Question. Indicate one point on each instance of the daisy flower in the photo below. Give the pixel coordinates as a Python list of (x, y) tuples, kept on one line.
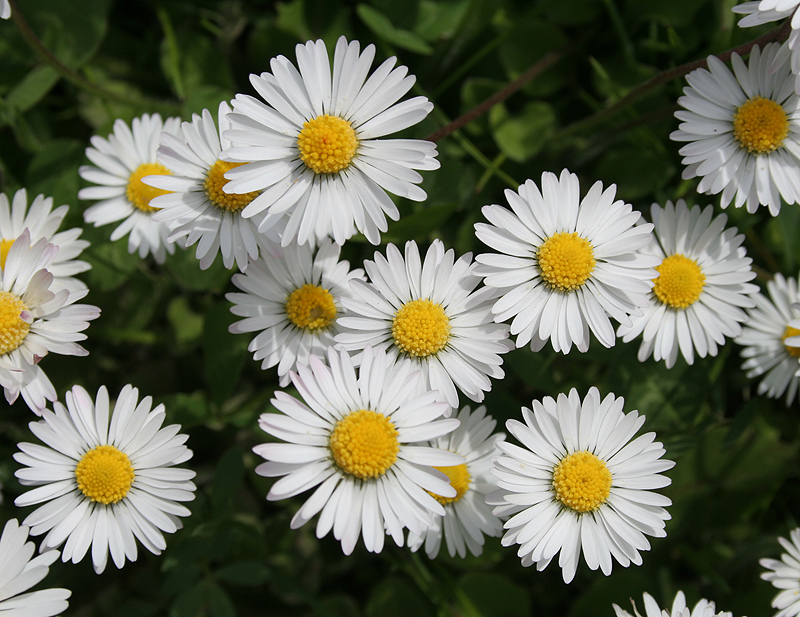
[(785, 575), (18, 573), (293, 303), (355, 438), (196, 209), (106, 477), (743, 129), (701, 288), (565, 266), (579, 484), (314, 146), (430, 314), (43, 222), (769, 339), (120, 163), (36, 320), (467, 516), (703, 608), (765, 11)]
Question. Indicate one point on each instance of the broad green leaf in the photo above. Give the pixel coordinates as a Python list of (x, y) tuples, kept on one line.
[(521, 136), (494, 595), (396, 597), (32, 89), (381, 26), (224, 353)]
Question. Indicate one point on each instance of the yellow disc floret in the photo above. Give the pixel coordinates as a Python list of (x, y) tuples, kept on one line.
[(760, 125), (581, 481), (364, 444), (792, 351), (13, 329), (459, 480), (139, 193), (566, 261), (680, 281), (104, 474), (311, 307), (327, 144), (215, 180), (5, 246), (421, 328)]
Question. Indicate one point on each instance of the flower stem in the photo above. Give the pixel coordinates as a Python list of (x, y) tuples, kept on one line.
[(71, 75), (778, 34)]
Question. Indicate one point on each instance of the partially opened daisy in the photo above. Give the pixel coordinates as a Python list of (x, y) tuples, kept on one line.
[(18, 573), (105, 477), (43, 222), (120, 163), (743, 129), (701, 288), (580, 483), (468, 518), (769, 337), (35, 320), (565, 265), (766, 11), (315, 143), (196, 209), (293, 303), (785, 575), (354, 438), (703, 608), (430, 313)]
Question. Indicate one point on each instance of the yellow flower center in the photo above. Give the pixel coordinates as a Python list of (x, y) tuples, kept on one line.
[(459, 480), (139, 193), (327, 144), (104, 474), (13, 329), (760, 125), (5, 246), (792, 351), (581, 481), (364, 444), (421, 328), (566, 261), (215, 180), (311, 307), (680, 281)]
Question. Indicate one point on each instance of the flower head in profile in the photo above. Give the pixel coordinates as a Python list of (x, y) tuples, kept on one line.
[(293, 303), (194, 205), (120, 163), (36, 318), (106, 477), (580, 483), (701, 289), (19, 571), (315, 144), (354, 439), (467, 517), (703, 608), (743, 131), (785, 575), (771, 339), (43, 222), (431, 313), (564, 265)]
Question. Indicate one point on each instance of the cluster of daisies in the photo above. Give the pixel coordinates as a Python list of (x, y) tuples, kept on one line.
[(381, 356)]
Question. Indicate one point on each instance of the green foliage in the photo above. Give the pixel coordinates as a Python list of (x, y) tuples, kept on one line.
[(165, 328)]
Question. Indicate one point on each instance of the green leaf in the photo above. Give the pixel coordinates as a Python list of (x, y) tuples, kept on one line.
[(380, 25), (187, 325), (223, 353), (396, 597), (494, 595), (54, 170), (246, 573), (522, 136), (439, 20), (72, 30), (219, 603), (32, 88), (228, 477), (419, 225)]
